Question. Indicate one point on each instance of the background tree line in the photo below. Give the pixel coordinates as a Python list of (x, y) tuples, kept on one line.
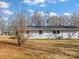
[(38, 19)]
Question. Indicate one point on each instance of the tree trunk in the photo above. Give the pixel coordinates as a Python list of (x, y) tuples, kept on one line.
[(19, 42)]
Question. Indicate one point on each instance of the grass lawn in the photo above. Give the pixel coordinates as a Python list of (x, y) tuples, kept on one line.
[(39, 49)]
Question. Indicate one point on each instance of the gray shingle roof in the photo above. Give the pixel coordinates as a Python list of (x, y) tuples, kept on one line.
[(52, 28)]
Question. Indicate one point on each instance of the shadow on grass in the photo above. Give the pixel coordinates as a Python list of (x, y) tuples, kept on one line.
[(53, 51), (66, 45), (9, 43), (12, 37)]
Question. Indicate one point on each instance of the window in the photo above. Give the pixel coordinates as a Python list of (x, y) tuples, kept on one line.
[(40, 32), (56, 32), (27, 32)]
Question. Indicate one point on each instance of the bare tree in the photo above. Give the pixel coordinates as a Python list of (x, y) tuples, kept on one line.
[(75, 18), (18, 26), (52, 21), (55, 21), (37, 19), (2, 24)]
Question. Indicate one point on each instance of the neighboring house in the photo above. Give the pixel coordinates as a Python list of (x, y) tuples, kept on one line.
[(0, 32), (5, 33), (52, 32)]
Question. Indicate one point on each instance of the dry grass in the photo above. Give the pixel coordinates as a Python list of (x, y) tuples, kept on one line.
[(39, 49)]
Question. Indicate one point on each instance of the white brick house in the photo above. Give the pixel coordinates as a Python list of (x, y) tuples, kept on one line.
[(52, 32)]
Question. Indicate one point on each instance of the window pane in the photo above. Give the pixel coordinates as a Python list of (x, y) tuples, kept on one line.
[(58, 32), (40, 32), (27, 32), (54, 32)]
